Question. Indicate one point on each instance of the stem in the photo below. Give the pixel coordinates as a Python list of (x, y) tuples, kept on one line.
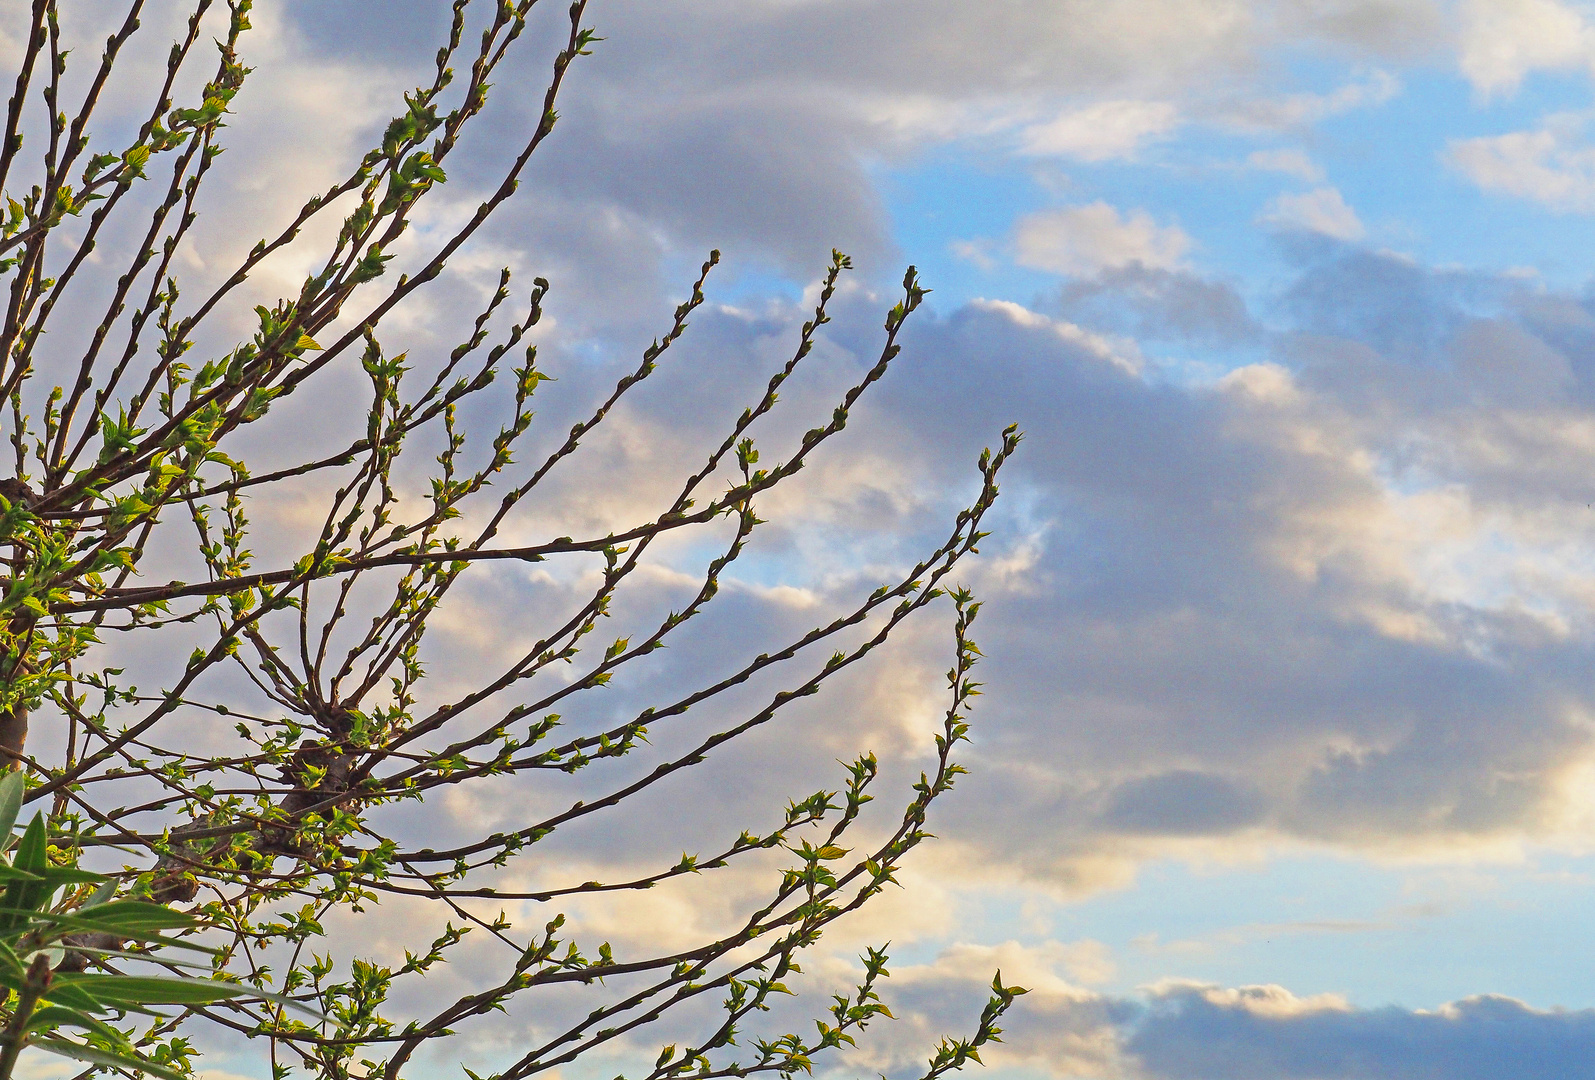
[(15, 1037)]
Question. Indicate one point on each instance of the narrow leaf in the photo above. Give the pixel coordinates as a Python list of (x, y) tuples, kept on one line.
[(77, 922), (10, 803), (151, 989), (96, 1056), (119, 915), (56, 1016)]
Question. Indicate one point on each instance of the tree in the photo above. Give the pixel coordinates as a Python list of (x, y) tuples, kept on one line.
[(127, 466)]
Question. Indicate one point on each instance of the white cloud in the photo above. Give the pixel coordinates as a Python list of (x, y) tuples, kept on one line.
[(1086, 239), (1266, 383), (1398, 489), (1120, 352), (1322, 210), (1303, 110), (1292, 162), (975, 251), (1504, 40), (1553, 165), (1053, 968), (1104, 131)]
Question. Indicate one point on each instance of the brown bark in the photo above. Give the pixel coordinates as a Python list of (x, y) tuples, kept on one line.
[(14, 722), (13, 735)]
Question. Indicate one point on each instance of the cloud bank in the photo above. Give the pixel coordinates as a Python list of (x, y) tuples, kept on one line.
[(1292, 557)]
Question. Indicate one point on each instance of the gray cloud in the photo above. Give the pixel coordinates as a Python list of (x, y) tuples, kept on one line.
[(1161, 305), (1226, 574), (1337, 596), (1222, 614), (1181, 803), (1197, 1033), (753, 127), (1215, 630)]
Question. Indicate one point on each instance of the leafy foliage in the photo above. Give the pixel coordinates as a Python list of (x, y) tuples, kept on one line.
[(50, 905), (127, 456)]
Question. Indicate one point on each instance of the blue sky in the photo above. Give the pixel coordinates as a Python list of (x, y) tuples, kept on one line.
[(1388, 158)]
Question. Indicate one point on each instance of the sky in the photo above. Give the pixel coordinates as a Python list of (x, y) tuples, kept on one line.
[(1285, 766)]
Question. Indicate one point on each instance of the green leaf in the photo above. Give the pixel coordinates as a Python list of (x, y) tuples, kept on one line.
[(79, 922), (30, 854), (11, 964), (101, 895), (120, 916), (23, 898), (136, 157), (61, 875), (151, 989), (75, 997), (123, 954), (11, 791), (96, 1056), (52, 1017)]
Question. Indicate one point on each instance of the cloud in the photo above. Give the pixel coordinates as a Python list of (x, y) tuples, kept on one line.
[(1334, 591), (1379, 27), (1082, 240), (1502, 41), (1121, 353), (1143, 303), (1197, 1032), (1305, 109), (978, 252), (1342, 595), (1553, 164), (1186, 1030), (1289, 161), (1059, 1028), (756, 128), (1104, 131), (1322, 210), (1182, 802)]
